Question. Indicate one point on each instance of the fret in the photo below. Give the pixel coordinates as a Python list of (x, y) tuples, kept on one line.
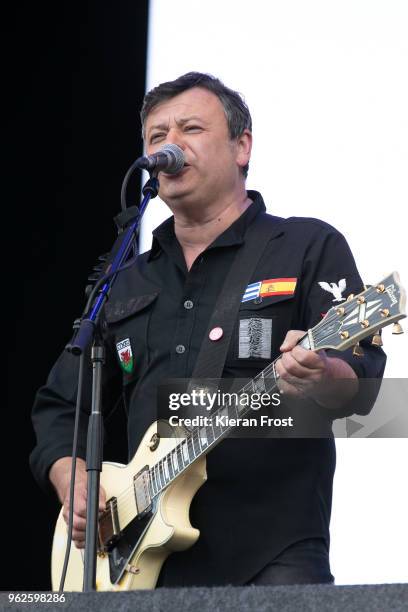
[(240, 407), (274, 371), (190, 447), (180, 456), (154, 478), (163, 471), (175, 462), (158, 476), (196, 444), (210, 432), (170, 466), (216, 428), (151, 483), (203, 437), (166, 470), (258, 383), (185, 452), (233, 409), (171, 463)]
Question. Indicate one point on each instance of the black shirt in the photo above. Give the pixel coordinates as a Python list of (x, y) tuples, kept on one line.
[(261, 494)]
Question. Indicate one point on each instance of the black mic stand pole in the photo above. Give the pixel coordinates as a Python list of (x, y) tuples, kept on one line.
[(88, 330)]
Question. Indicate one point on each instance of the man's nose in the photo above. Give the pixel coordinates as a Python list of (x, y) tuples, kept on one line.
[(175, 136)]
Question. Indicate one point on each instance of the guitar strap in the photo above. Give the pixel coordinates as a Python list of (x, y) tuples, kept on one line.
[(211, 358)]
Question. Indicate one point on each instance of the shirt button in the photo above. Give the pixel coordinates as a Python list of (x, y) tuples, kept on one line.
[(188, 304), (180, 348)]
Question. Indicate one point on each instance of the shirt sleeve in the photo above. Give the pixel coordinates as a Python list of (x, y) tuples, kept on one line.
[(329, 276), (53, 413)]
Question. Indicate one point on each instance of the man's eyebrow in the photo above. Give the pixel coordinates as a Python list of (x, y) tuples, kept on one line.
[(159, 126), (182, 121)]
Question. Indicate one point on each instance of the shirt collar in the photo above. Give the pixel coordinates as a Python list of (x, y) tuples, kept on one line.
[(233, 235)]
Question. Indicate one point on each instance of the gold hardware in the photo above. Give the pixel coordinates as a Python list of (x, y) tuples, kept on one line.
[(380, 288), (365, 323), (397, 329), (344, 335), (350, 297), (361, 299), (154, 442), (385, 312), (377, 340), (340, 311), (358, 351), (101, 553), (132, 569)]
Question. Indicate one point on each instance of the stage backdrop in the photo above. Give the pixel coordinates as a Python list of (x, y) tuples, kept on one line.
[(326, 85)]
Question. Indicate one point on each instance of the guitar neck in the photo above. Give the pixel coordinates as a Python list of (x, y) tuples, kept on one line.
[(213, 428), (343, 326)]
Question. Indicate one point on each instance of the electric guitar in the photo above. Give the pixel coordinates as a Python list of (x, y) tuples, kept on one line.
[(147, 512)]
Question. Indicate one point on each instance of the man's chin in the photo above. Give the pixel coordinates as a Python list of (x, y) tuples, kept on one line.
[(175, 194)]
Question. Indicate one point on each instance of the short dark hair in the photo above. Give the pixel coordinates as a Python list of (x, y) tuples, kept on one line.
[(235, 107)]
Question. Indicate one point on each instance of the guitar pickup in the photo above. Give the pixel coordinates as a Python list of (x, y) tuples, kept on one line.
[(108, 526), (142, 492)]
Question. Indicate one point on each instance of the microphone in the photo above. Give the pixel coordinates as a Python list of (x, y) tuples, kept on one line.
[(170, 159)]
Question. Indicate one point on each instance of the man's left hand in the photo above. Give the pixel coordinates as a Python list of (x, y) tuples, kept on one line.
[(304, 373)]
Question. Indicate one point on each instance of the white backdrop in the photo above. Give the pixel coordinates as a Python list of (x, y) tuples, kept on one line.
[(326, 83)]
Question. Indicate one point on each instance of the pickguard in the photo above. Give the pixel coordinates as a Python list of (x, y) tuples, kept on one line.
[(126, 545)]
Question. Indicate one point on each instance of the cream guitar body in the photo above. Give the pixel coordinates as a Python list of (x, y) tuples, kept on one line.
[(141, 544)]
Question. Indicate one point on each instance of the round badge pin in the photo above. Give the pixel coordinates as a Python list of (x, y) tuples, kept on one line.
[(216, 333)]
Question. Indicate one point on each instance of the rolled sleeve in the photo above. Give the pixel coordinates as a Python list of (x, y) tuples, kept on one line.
[(328, 284)]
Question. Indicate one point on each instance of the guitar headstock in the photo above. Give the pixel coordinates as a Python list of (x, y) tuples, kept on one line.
[(361, 315)]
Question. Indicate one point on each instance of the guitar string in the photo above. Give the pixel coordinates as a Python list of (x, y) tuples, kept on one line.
[(317, 336)]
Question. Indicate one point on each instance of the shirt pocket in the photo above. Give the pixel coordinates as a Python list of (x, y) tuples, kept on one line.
[(260, 329), (127, 326)]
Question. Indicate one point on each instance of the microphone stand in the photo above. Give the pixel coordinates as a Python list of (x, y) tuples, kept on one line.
[(88, 331)]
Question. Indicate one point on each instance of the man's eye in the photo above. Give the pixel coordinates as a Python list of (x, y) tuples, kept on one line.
[(156, 137), (193, 128)]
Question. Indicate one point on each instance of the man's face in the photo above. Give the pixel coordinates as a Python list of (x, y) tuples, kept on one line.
[(195, 121)]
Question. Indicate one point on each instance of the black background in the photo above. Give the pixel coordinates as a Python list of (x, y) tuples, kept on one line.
[(77, 82)]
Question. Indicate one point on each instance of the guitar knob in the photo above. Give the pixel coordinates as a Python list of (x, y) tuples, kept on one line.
[(397, 329), (350, 297), (377, 340), (358, 351)]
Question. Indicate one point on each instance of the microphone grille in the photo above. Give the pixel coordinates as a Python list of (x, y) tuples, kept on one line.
[(176, 157)]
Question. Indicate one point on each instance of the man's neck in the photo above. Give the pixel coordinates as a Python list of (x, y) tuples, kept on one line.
[(196, 234)]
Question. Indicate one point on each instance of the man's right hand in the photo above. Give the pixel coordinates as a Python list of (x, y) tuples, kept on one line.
[(60, 477)]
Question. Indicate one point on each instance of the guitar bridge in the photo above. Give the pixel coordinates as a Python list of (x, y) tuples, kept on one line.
[(108, 526), (142, 493)]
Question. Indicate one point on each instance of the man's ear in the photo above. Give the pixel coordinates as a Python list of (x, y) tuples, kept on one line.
[(244, 147)]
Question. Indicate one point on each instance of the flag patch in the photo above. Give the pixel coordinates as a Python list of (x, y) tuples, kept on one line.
[(271, 286), (125, 355), (252, 291)]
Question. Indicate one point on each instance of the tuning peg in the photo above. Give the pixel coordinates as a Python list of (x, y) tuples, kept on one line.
[(358, 351), (350, 297), (377, 340), (397, 329)]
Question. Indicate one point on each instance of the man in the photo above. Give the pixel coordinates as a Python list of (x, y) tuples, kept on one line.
[(264, 511)]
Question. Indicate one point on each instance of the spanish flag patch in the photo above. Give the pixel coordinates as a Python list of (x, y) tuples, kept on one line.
[(271, 286)]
